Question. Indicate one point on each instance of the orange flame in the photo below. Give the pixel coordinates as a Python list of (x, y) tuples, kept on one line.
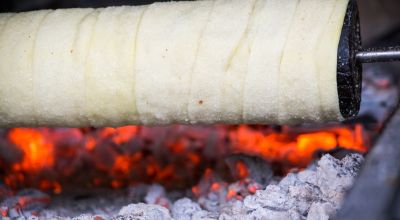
[(295, 148), (37, 149), (241, 170)]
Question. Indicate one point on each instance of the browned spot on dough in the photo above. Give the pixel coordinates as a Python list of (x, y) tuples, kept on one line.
[(71, 51)]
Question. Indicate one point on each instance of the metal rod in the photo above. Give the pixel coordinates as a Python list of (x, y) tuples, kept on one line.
[(375, 55)]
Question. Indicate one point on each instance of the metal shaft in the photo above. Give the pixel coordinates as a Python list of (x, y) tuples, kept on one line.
[(374, 55)]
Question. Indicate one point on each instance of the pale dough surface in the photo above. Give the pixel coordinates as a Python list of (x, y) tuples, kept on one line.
[(210, 61)]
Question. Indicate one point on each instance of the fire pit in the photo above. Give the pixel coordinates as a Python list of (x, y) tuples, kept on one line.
[(208, 172)]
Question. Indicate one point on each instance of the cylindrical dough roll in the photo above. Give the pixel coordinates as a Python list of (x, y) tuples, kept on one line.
[(211, 61)]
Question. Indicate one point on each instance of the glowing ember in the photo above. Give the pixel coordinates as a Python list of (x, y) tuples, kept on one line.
[(174, 156), (295, 148), (37, 149), (241, 170)]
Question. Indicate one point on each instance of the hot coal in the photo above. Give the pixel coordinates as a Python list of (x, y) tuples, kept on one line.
[(28, 202), (173, 156), (314, 193)]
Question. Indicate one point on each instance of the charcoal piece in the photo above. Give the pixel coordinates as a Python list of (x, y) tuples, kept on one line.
[(258, 169)]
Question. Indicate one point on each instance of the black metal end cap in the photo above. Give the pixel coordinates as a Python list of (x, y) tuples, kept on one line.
[(349, 72)]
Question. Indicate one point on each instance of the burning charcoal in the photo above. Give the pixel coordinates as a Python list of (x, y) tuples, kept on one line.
[(3, 211), (156, 195), (33, 199), (255, 168), (14, 211), (143, 211), (184, 209), (25, 203), (210, 181), (211, 191), (314, 193), (218, 195), (240, 189)]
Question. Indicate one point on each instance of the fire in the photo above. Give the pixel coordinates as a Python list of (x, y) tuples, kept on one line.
[(122, 164), (293, 147), (215, 186), (37, 148), (124, 134), (173, 156), (90, 143), (241, 170)]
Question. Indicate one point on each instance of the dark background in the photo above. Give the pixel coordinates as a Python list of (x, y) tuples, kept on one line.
[(379, 18)]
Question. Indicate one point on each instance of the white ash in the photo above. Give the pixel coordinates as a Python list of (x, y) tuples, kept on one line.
[(321, 211), (184, 209), (296, 193), (313, 194), (88, 217), (309, 194), (143, 211), (156, 195)]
